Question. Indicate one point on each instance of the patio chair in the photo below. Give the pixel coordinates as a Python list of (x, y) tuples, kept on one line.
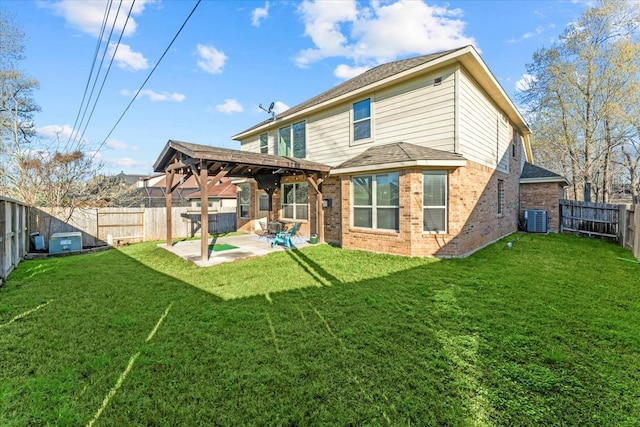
[(263, 231), (284, 237)]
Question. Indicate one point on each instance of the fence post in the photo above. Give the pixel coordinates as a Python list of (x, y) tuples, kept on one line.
[(622, 225), (636, 230)]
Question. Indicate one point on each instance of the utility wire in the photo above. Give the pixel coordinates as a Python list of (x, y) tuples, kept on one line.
[(107, 12), (104, 80), (146, 80), (78, 139)]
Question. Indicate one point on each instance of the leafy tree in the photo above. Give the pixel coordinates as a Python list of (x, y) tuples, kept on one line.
[(579, 94)]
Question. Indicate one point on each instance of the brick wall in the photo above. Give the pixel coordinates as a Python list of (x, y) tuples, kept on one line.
[(543, 196), (473, 220)]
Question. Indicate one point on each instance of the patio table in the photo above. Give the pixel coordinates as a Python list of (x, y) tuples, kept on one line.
[(274, 227)]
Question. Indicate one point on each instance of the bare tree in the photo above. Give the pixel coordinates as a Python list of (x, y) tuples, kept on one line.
[(578, 91)]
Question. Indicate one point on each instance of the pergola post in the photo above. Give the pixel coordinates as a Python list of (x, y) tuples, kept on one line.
[(315, 183), (204, 211), (168, 191)]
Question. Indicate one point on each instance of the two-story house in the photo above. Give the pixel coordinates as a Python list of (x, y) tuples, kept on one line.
[(421, 157), (425, 155)]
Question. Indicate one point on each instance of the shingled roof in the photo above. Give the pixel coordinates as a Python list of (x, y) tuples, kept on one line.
[(535, 174), (399, 154), (371, 76)]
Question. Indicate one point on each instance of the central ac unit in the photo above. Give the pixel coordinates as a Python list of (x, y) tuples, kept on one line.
[(536, 221)]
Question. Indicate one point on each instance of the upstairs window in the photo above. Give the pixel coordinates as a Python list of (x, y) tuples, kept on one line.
[(264, 144), (362, 120), (292, 140)]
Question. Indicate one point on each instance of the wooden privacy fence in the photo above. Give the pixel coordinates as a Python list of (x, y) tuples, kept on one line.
[(619, 222), (14, 243), (592, 219), (104, 226)]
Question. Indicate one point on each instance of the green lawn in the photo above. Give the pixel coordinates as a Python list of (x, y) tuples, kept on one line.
[(545, 333)]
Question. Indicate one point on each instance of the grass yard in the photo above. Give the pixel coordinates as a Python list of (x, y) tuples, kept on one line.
[(545, 333)]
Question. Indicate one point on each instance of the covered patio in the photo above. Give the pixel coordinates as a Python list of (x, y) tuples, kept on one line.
[(239, 247), (210, 164)]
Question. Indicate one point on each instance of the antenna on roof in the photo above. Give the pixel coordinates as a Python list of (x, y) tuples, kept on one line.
[(270, 110)]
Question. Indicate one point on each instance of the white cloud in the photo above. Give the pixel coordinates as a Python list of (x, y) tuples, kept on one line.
[(127, 59), (230, 106), (383, 32), (259, 13), (116, 144), (60, 133), (279, 107), (126, 162), (346, 72), (87, 16), (525, 82), (211, 60), (530, 34), (156, 96)]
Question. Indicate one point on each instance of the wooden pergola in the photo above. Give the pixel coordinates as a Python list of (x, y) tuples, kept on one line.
[(204, 161)]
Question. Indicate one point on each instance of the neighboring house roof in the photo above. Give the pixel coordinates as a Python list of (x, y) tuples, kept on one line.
[(532, 174), (396, 155), (225, 189), (394, 72), (131, 179)]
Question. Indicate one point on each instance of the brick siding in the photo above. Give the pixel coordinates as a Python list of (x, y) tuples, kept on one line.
[(544, 196)]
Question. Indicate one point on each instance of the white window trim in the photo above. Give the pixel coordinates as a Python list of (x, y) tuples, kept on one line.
[(445, 206), (290, 126), (248, 204), (352, 140), (294, 204), (374, 206), (500, 188)]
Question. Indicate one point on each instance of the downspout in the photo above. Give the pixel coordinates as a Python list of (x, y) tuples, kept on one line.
[(456, 110)]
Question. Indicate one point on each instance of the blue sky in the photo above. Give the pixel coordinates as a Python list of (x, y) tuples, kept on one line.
[(234, 55)]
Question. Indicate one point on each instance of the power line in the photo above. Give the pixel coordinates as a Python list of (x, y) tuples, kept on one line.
[(104, 80), (78, 139), (107, 12), (146, 80)]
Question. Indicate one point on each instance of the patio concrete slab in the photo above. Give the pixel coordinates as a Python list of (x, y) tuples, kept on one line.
[(249, 245)]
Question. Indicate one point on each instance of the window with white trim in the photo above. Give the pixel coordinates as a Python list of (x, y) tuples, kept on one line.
[(434, 201), (376, 201), (243, 201), (292, 140), (264, 143), (263, 202), (295, 201), (362, 119), (500, 196)]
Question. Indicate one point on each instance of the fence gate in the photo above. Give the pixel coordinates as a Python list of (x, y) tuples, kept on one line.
[(117, 226)]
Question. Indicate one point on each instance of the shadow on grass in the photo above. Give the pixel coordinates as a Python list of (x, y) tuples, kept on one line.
[(506, 337)]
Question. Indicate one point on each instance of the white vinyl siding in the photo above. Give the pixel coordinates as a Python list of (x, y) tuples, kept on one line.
[(416, 112), (485, 133)]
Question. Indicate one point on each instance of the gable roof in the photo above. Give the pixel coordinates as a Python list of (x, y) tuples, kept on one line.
[(235, 162), (367, 78), (394, 72), (398, 155), (532, 174)]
